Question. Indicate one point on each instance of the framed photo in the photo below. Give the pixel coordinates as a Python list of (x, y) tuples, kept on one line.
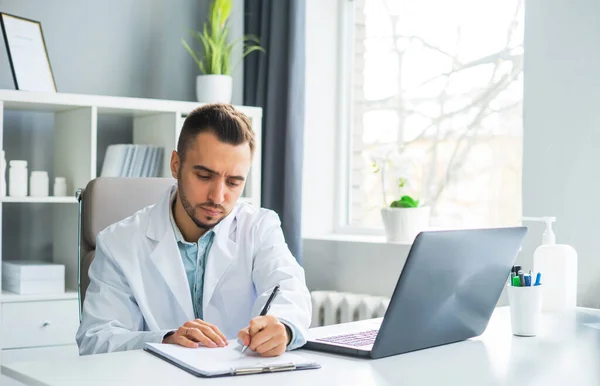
[(27, 54)]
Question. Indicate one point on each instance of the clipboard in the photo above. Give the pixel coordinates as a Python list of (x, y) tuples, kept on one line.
[(228, 361)]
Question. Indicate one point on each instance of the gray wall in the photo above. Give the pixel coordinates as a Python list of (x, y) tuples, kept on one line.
[(120, 47), (561, 156), (127, 48)]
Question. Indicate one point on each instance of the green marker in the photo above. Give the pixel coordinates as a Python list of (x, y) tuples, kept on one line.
[(516, 282)]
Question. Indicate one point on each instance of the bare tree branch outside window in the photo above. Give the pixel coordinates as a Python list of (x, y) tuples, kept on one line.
[(438, 84)]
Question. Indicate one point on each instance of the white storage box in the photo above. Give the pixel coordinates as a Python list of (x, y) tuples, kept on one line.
[(33, 277)]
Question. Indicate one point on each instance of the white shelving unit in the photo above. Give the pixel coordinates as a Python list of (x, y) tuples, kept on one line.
[(48, 322)]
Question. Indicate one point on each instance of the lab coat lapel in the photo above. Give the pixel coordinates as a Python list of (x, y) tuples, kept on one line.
[(221, 255), (166, 256)]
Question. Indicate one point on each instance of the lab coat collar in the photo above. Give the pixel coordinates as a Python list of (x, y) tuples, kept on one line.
[(168, 261)]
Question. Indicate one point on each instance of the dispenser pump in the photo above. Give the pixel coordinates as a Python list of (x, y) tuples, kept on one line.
[(548, 238)]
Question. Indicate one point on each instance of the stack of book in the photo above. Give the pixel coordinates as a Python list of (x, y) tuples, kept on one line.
[(132, 161)]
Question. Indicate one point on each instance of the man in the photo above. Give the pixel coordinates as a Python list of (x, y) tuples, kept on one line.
[(197, 267)]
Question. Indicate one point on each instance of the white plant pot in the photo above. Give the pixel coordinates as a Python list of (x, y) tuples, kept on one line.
[(404, 224), (214, 88)]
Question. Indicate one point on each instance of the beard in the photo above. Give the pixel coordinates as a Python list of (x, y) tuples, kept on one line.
[(191, 210)]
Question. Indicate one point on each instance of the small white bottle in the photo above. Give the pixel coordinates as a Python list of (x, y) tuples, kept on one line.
[(17, 178), (60, 186), (557, 264), (38, 185)]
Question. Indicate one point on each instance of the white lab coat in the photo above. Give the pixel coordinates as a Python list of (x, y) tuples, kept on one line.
[(139, 291)]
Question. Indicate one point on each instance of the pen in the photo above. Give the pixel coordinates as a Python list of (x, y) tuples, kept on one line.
[(521, 278), (516, 282), (538, 278), (266, 307)]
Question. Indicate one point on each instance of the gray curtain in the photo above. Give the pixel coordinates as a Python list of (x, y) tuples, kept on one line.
[(275, 81)]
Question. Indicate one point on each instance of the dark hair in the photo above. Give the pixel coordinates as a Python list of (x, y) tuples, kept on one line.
[(228, 124)]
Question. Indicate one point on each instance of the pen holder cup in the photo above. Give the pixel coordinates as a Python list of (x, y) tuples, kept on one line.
[(525, 309)]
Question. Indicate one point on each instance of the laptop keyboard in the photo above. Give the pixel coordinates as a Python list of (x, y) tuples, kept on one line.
[(359, 339)]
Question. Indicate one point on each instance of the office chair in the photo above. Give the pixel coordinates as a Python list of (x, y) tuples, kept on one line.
[(105, 201)]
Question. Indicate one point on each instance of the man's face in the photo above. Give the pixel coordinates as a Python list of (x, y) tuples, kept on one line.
[(211, 178)]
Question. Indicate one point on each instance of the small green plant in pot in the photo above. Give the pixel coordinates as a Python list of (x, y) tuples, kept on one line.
[(214, 59), (404, 201), (405, 217)]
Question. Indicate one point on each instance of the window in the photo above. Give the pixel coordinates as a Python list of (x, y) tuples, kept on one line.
[(433, 97)]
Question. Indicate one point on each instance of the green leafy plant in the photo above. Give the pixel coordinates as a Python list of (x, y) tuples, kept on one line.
[(214, 58), (405, 201)]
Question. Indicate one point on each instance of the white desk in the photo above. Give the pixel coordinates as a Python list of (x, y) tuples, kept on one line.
[(567, 352)]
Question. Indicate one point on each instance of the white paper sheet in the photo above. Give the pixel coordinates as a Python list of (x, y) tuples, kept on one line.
[(222, 360)]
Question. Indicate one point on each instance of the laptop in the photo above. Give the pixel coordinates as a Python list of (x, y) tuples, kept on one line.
[(446, 293)]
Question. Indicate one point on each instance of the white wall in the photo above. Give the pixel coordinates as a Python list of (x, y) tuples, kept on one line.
[(353, 266), (561, 174), (561, 149), (318, 195)]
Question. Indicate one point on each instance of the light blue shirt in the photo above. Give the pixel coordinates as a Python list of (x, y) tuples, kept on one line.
[(194, 256)]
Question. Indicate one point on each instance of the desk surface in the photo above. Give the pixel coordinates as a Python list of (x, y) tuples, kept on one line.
[(566, 352)]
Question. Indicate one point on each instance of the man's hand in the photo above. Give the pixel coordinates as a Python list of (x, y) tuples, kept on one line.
[(266, 335), (196, 332)]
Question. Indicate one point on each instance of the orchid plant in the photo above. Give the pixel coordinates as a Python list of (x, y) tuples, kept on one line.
[(405, 200)]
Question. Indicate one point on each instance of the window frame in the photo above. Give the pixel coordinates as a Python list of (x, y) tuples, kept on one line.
[(343, 151), (344, 128)]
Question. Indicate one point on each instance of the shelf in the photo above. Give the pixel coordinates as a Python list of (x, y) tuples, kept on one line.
[(76, 137), (9, 297), (42, 200), (54, 102)]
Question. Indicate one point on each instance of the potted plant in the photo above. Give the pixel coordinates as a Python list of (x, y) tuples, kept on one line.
[(405, 217), (214, 59)]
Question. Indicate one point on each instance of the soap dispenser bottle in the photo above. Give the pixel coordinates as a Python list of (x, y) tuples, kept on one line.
[(557, 264)]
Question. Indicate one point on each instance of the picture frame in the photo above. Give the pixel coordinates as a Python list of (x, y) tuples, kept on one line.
[(27, 53)]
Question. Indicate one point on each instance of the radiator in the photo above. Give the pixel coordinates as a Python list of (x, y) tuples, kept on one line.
[(331, 307)]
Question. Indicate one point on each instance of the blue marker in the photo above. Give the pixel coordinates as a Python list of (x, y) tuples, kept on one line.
[(527, 280), (538, 278)]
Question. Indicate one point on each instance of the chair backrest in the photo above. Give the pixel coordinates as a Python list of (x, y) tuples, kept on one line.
[(105, 201)]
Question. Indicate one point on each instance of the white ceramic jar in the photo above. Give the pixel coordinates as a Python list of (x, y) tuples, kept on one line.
[(38, 184), (17, 178), (60, 186)]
